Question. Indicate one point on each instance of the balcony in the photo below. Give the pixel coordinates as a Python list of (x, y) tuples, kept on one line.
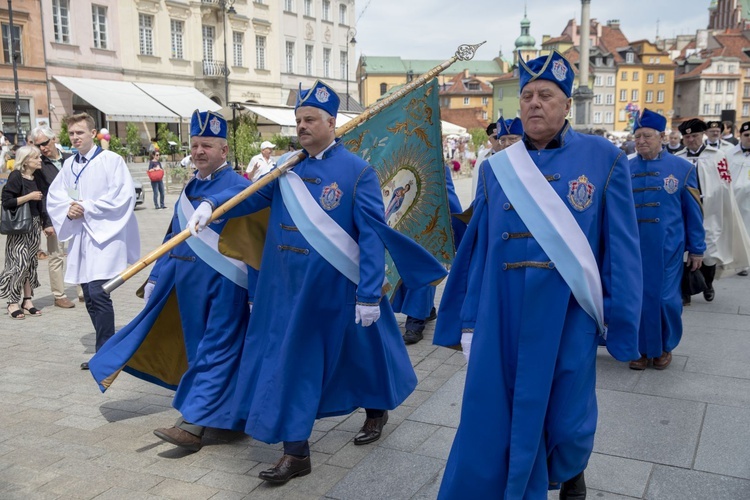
[(215, 68)]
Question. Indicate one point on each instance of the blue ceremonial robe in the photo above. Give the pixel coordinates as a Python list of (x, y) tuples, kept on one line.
[(529, 407), (202, 363), (670, 221), (309, 359), (418, 303)]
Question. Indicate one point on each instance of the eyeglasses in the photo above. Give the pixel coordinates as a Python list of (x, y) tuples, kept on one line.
[(43, 143)]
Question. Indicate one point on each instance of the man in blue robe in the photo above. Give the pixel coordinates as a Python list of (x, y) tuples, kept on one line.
[(323, 342), (211, 296), (419, 305), (532, 326), (670, 221)]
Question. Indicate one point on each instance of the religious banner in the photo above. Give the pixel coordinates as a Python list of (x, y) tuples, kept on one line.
[(403, 143)]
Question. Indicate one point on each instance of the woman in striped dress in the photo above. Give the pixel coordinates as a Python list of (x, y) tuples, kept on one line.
[(19, 277)]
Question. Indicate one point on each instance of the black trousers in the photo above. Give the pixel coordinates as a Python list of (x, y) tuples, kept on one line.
[(302, 448), (708, 272), (100, 309)]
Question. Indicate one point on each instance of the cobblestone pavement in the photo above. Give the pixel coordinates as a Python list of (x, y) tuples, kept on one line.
[(677, 434)]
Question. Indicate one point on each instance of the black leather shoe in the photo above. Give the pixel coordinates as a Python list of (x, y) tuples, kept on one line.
[(432, 316), (371, 430), (285, 469), (84, 366), (412, 337), (686, 300), (709, 294), (742, 273), (574, 489)]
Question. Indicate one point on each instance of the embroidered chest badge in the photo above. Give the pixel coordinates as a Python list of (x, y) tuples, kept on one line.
[(581, 193), (330, 198), (671, 184)]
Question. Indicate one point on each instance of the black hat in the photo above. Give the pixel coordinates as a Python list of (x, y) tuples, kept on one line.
[(693, 126), (491, 129), (745, 127), (714, 124)]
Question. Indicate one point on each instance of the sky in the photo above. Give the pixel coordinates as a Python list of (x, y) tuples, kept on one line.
[(422, 29)]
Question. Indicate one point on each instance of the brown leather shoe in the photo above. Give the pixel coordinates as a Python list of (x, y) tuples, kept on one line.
[(286, 468), (180, 438), (639, 364), (371, 430), (663, 361), (64, 303)]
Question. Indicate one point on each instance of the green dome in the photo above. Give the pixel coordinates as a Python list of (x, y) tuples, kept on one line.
[(525, 41)]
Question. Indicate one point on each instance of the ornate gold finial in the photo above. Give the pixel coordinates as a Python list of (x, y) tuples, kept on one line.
[(466, 52)]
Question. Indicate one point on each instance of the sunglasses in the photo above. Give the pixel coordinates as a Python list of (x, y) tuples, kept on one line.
[(43, 143)]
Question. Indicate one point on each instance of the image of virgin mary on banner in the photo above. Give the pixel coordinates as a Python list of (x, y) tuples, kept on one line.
[(403, 143)]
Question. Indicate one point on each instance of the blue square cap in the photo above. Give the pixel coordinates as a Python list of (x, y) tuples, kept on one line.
[(509, 127), (649, 119), (553, 67), (208, 124), (320, 96)]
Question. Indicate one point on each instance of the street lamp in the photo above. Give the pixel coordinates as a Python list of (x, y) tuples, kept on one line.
[(235, 106), (353, 41), (227, 7)]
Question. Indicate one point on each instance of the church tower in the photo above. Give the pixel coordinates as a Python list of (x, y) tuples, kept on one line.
[(525, 43)]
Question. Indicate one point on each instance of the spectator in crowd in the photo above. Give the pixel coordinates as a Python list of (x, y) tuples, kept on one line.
[(156, 176)]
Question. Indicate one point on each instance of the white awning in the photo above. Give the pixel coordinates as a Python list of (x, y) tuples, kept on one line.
[(120, 101), (180, 100), (283, 116), (451, 128)]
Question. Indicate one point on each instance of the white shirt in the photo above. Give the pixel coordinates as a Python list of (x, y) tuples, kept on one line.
[(105, 240), (259, 166)]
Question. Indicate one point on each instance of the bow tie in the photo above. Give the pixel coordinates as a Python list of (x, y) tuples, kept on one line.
[(81, 159)]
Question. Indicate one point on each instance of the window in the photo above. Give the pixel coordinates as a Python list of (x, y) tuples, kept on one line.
[(499, 113), (290, 57), (209, 33), (720, 68), (707, 86), (467, 101), (344, 65), (383, 88), (8, 107), (635, 76), (238, 41), (610, 80), (342, 14), (649, 78), (598, 81), (660, 111), (729, 105), (177, 28), (623, 95), (327, 63), (308, 8), (260, 52), (597, 117), (717, 108), (499, 93), (621, 116), (746, 90), (326, 10), (661, 77), (484, 115), (649, 96), (609, 117), (308, 59), (609, 99), (634, 95), (719, 86), (730, 86), (288, 5), (99, 21), (61, 20), (629, 58), (660, 96), (146, 34), (746, 109), (6, 45), (485, 101), (706, 109), (597, 98), (624, 76), (730, 69)]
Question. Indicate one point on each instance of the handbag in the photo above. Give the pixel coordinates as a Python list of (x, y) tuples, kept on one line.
[(18, 221), (155, 174), (693, 282)]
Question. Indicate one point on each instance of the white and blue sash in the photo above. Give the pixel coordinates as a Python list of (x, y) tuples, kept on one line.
[(318, 228), (552, 225), (206, 246)]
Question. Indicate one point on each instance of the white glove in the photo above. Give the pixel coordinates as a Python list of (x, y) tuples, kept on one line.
[(199, 220), (250, 306), (367, 315), (466, 339), (148, 290)]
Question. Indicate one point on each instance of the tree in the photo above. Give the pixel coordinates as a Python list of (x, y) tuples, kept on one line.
[(245, 141), (132, 139), (63, 138), (478, 138), (165, 136)]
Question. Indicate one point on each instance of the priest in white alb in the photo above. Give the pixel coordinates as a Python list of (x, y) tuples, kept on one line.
[(91, 205)]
